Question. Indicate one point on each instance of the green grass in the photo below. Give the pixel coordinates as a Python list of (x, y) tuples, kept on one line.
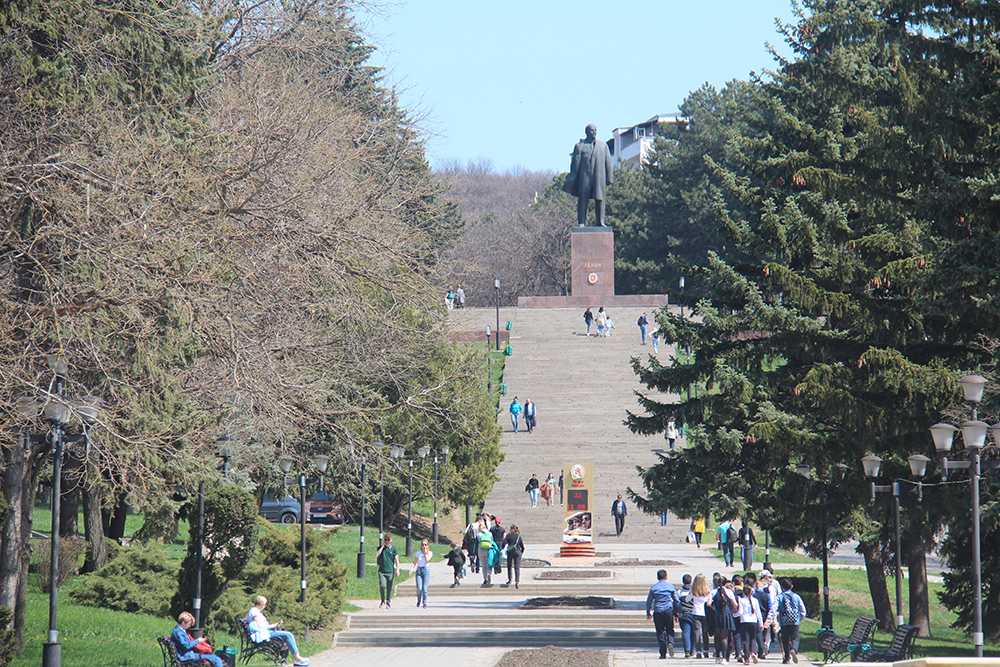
[(497, 367), (778, 556)]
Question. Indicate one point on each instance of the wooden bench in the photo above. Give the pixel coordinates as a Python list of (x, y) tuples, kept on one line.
[(836, 647), (899, 648), (275, 649), (170, 658)]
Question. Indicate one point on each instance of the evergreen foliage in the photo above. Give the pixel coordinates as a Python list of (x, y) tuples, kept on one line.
[(853, 194), (140, 579)]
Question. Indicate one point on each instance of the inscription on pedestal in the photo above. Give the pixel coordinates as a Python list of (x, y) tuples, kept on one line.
[(592, 261)]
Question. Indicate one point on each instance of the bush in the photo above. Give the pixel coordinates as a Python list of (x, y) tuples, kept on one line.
[(275, 573), (70, 550), (140, 579), (6, 636)]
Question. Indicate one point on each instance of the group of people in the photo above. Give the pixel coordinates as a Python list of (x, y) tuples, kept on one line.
[(743, 614), (454, 298), (547, 489), (529, 414), (490, 545), (727, 536), (605, 324), (261, 630)]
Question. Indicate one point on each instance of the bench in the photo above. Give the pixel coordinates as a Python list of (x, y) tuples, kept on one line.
[(899, 648), (836, 647), (170, 658), (275, 649)]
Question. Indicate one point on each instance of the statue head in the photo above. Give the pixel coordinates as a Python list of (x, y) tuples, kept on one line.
[(591, 131)]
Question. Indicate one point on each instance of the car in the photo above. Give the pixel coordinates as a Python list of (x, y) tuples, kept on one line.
[(324, 508), (281, 511)]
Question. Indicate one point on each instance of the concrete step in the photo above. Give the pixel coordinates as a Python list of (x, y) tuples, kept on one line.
[(536, 589), (566, 638), (632, 619)]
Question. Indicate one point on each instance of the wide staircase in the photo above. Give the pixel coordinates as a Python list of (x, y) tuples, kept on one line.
[(583, 388)]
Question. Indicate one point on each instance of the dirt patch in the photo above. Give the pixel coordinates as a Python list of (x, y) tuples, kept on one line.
[(575, 574), (563, 601), (534, 562), (553, 656), (635, 562)]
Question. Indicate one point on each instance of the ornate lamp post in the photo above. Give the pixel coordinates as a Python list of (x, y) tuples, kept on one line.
[(434, 529), (364, 482), (225, 445), (974, 437), (496, 284), (918, 467), (57, 410), (397, 452)]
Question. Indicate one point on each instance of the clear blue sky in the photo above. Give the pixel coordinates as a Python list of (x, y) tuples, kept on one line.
[(516, 82)]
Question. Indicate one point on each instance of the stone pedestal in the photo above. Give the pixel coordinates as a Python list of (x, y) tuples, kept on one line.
[(592, 262)]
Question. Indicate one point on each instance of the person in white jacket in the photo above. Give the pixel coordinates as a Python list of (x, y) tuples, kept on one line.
[(671, 434)]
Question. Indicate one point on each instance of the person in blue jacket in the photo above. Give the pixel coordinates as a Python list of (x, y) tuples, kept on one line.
[(185, 644), (661, 606), (515, 413)]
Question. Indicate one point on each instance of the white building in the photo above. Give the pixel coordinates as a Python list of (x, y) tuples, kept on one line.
[(630, 145)]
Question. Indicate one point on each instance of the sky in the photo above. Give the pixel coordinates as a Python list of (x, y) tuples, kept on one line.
[(515, 83)]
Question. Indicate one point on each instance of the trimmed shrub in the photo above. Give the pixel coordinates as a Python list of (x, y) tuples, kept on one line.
[(275, 573), (7, 642), (141, 579), (70, 550)]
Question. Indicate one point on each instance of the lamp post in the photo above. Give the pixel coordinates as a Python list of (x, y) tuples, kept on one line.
[(57, 410), (361, 544), (397, 452), (680, 283), (489, 363), (974, 437), (434, 529), (918, 467), (379, 445), (496, 284), (225, 445), (826, 618)]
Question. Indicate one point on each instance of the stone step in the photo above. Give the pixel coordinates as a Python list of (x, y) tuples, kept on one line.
[(632, 619), (521, 638), (536, 589)]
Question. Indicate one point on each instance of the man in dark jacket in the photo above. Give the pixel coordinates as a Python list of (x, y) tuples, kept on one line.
[(619, 511), (590, 171)]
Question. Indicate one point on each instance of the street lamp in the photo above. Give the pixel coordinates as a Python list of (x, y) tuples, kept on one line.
[(57, 410), (918, 468), (680, 283), (379, 446), (364, 482), (826, 618), (397, 452), (225, 445), (974, 437), (489, 362), (496, 284), (434, 529)]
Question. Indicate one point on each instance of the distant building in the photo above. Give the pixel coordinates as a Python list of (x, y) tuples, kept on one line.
[(630, 145)]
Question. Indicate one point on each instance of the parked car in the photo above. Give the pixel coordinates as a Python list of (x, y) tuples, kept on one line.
[(281, 511), (324, 508)]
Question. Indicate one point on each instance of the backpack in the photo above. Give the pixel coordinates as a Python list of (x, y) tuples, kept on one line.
[(788, 610), (640, 321), (731, 534), (687, 603)]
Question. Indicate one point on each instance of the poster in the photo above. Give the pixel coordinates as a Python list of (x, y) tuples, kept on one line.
[(578, 516)]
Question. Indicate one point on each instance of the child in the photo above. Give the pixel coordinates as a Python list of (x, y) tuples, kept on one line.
[(456, 558)]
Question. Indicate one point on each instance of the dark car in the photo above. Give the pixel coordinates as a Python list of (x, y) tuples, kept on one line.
[(281, 511), (324, 508)]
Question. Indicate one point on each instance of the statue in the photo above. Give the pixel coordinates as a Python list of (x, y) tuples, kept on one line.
[(590, 171)]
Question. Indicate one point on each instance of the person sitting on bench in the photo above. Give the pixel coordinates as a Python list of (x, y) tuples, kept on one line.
[(262, 631), (184, 643)]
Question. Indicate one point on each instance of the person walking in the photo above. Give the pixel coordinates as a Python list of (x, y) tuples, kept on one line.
[(421, 565), (661, 602), (791, 611), (456, 558), (686, 616), (701, 595), (388, 569), (532, 488), (602, 322), (619, 510), (751, 623), (515, 413), (515, 549), (560, 489), (725, 536), (489, 554), (671, 434), (654, 338), (449, 298), (643, 323), (529, 414), (699, 530), (723, 606), (588, 317), (460, 297)]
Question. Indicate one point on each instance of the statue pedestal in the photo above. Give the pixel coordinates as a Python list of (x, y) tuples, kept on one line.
[(592, 262)]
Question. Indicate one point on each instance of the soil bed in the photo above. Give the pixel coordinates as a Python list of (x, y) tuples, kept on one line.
[(535, 562), (586, 602), (575, 574), (553, 656)]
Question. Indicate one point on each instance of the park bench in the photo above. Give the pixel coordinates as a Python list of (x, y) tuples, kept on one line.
[(899, 649), (836, 647), (170, 658), (275, 649)]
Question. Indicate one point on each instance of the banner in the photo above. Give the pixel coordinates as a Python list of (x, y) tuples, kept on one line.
[(578, 517)]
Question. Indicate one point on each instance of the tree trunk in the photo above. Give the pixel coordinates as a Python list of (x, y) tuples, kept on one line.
[(20, 476), (877, 586), (916, 563), (93, 525), (116, 526), (69, 504)]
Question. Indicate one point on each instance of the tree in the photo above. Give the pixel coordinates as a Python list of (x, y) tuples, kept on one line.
[(823, 334)]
